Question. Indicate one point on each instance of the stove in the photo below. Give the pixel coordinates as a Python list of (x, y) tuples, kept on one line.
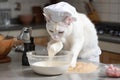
[(108, 31), (111, 29)]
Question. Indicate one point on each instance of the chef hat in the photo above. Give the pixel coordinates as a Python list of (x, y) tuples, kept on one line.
[(59, 11)]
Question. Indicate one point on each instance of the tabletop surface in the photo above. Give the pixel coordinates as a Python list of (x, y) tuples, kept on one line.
[(14, 70)]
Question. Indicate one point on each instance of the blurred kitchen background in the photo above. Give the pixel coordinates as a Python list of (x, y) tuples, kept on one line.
[(105, 14), (108, 10)]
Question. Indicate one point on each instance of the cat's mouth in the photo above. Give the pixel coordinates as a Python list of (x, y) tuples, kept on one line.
[(56, 38)]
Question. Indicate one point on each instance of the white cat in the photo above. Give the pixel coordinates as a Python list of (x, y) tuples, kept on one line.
[(74, 29)]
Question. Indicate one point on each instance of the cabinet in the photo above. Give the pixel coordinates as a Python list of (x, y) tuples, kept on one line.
[(110, 52), (110, 57)]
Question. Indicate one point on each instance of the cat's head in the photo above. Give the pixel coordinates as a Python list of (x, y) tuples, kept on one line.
[(58, 29), (59, 17)]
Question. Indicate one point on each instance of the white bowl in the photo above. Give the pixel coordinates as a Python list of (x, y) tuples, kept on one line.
[(41, 64)]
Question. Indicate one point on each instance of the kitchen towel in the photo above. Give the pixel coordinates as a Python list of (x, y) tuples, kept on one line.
[(59, 11)]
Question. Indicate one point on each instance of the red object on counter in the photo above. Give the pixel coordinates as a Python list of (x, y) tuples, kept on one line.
[(113, 71)]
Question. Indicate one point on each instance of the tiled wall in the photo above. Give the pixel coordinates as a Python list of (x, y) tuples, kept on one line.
[(25, 5), (109, 10), (78, 4)]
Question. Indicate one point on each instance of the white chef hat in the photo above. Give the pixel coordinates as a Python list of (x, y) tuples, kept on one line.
[(59, 11)]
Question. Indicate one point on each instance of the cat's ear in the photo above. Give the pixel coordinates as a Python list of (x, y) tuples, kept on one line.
[(47, 17), (68, 19)]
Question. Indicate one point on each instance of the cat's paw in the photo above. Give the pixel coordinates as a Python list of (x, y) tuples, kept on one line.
[(73, 64)]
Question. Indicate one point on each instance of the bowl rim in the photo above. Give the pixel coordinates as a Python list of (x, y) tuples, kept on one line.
[(30, 54)]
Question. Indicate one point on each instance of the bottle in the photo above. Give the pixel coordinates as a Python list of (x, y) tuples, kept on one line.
[(32, 45), (24, 56), (27, 42), (27, 47)]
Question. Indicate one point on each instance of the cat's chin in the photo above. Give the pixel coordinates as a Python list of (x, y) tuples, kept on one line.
[(57, 40)]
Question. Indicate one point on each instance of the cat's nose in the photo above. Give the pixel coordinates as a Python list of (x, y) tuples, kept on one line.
[(56, 38)]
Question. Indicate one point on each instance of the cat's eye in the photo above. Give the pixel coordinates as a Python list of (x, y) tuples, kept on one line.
[(51, 31), (61, 32)]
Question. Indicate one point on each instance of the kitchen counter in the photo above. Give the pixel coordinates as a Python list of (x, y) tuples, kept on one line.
[(14, 27), (109, 43), (14, 30), (108, 38), (15, 71)]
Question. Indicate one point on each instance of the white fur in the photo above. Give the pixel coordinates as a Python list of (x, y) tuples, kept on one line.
[(79, 37)]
